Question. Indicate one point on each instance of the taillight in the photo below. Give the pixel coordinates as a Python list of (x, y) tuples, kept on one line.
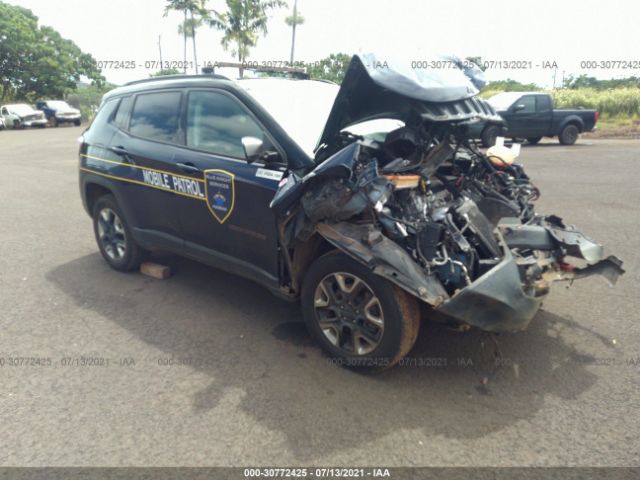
[(595, 117)]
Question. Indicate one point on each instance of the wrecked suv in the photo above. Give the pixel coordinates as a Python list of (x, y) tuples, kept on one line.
[(365, 202)]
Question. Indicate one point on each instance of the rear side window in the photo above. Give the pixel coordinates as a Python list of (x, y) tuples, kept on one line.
[(121, 120), (155, 116), (105, 114), (216, 123), (544, 103)]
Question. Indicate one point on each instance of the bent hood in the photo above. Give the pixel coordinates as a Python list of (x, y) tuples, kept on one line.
[(66, 111), (380, 88)]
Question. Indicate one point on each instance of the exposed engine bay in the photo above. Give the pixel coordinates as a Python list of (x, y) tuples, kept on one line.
[(424, 208), (457, 228)]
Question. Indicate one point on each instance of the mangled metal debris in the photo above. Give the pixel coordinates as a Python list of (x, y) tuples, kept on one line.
[(422, 207)]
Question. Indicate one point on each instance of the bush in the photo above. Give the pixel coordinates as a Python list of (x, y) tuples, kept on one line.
[(614, 102)]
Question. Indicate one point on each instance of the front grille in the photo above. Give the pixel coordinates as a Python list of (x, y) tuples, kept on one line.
[(466, 109)]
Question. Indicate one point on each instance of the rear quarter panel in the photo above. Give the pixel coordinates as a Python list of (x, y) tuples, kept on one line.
[(583, 118)]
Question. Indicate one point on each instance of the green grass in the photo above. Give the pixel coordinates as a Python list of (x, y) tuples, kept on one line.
[(623, 102)]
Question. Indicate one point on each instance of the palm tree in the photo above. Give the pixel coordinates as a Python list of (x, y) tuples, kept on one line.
[(292, 21), (194, 12), (188, 29), (242, 24)]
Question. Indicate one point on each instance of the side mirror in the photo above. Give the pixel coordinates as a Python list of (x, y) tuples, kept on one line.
[(518, 107), (252, 147)]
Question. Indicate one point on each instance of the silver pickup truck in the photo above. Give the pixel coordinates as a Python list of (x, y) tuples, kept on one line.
[(21, 115)]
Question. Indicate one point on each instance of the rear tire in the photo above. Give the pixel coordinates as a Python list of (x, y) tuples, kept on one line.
[(114, 236), (76, 123), (489, 136), (534, 140), (569, 134), (361, 320)]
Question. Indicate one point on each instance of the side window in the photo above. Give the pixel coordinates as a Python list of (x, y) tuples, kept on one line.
[(529, 102), (216, 123), (155, 116), (105, 114), (121, 120), (543, 102)]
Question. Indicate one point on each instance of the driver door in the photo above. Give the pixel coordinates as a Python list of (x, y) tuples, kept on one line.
[(524, 120), (231, 222)]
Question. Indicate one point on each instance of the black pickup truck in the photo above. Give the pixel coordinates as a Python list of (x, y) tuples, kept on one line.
[(531, 115)]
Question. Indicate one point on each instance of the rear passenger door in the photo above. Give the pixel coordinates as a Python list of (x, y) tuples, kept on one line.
[(148, 137), (234, 225)]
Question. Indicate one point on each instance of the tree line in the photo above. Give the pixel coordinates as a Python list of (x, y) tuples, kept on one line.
[(37, 61)]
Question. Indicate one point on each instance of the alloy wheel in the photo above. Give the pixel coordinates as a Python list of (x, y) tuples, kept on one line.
[(349, 313), (112, 234)]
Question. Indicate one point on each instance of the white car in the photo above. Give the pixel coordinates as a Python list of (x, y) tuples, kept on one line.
[(21, 115)]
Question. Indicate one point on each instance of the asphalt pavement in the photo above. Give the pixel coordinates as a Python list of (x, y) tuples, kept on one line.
[(204, 368)]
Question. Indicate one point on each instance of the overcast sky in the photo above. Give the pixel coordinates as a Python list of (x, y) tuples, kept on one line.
[(564, 31)]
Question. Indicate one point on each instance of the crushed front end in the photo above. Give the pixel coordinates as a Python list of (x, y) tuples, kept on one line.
[(421, 206)]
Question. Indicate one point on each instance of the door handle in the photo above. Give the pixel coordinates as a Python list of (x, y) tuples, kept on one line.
[(119, 151), (188, 167)]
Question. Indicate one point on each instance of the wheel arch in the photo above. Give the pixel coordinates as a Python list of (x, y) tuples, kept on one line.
[(384, 258), (92, 187), (572, 120), (304, 254), (92, 192)]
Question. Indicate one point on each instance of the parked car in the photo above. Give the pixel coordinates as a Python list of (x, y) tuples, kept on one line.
[(58, 111), (267, 179), (531, 115), (22, 116)]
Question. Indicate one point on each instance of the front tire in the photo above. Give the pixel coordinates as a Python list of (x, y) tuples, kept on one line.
[(76, 123), (361, 320), (489, 136), (114, 237), (569, 135)]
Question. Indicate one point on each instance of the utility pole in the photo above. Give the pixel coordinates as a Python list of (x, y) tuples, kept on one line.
[(293, 21), (293, 30), (160, 49)]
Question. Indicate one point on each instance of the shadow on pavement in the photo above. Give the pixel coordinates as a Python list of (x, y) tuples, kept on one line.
[(245, 340)]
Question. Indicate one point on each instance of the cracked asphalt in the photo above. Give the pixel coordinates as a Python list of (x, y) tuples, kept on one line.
[(99, 368)]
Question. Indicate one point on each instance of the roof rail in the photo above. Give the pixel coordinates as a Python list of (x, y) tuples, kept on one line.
[(294, 72), (175, 77)]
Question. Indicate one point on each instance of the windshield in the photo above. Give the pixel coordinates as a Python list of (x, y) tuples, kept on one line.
[(21, 109), (502, 101), (301, 107), (58, 105)]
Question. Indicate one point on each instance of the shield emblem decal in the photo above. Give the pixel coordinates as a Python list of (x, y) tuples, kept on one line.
[(220, 192)]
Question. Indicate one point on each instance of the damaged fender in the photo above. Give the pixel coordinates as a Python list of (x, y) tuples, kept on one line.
[(387, 259)]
